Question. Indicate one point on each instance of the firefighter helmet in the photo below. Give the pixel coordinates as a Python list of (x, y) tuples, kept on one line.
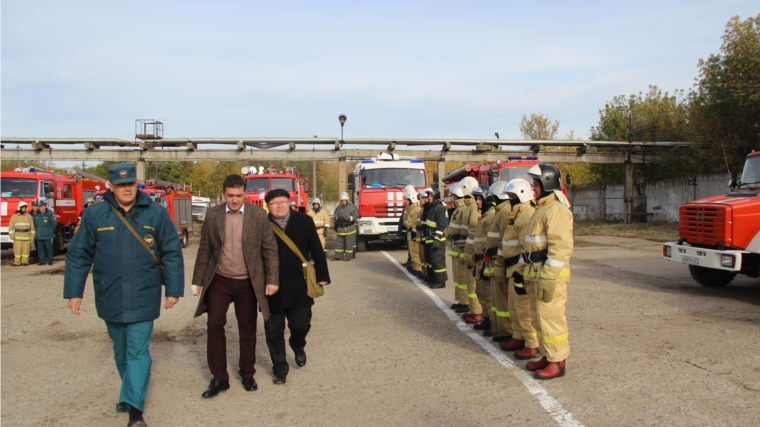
[(22, 204), (480, 191), (456, 190), (344, 196), (547, 175), (467, 184), (316, 201), (520, 188), (497, 190), (435, 193)]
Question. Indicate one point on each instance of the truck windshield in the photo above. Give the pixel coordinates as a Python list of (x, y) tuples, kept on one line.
[(750, 176), (257, 184), (283, 184), (508, 174), (382, 178), (19, 187)]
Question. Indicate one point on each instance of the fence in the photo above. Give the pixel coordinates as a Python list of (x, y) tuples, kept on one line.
[(657, 201)]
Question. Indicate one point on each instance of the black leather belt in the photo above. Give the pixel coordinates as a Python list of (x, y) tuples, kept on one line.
[(509, 262), (23, 231), (536, 256)]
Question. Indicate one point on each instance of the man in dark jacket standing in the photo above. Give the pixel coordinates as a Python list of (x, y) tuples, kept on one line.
[(127, 276), (236, 263), (45, 225), (292, 301)]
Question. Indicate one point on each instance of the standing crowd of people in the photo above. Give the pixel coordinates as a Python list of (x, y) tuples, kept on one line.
[(510, 244)]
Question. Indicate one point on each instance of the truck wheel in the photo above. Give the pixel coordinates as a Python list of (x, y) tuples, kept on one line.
[(710, 277), (185, 239), (361, 243)]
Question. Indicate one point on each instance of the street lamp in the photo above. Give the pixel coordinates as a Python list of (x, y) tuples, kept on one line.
[(342, 119)]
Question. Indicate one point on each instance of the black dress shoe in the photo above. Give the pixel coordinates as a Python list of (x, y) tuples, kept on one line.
[(249, 384), (279, 379), (136, 418), (214, 387), (122, 407), (502, 338), (301, 358), (438, 285), (42, 263), (463, 309), (489, 333), (483, 326), (50, 263)]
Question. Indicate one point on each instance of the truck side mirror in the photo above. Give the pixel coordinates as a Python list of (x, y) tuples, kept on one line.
[(306, 186), (493, 176), (734, 182), (435, 177), (567, 180), (351, 179)]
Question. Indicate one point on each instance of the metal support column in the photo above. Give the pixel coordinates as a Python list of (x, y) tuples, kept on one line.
[(441, 174), (342, 177), (140, 169), (313, 189), (628, 191)]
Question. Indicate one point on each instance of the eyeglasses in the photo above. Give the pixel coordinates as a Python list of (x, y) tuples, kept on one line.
[(277, 203)]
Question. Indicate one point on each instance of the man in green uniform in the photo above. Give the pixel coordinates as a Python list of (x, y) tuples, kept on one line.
[(132, 247), (45, 226), (345, 218)]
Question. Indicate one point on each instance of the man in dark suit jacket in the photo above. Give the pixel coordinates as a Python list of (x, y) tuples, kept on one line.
[(236, 262), (292, 301)]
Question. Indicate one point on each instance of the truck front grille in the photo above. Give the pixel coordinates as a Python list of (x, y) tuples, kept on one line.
[(705, 224), (389, 210)]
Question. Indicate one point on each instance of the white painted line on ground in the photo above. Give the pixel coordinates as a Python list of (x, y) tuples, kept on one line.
[(550, 404)]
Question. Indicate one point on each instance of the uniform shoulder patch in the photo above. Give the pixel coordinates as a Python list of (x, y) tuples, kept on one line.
[(105, 229), (149, 240)]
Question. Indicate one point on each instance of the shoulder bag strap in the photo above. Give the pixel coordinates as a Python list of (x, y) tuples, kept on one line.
[(137, 236), (281, 234)]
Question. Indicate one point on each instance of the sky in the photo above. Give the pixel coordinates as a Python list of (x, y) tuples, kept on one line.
[(397, 69)]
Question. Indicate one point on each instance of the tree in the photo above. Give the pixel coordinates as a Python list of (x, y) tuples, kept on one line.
[(725, 105), (538, 127), (9, 165)]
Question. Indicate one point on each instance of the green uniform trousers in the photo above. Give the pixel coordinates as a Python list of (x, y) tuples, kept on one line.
[(130, 351)]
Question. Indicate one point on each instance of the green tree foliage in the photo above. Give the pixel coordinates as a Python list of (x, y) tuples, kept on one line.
[(725, 105), (538, 127), (9, 165)]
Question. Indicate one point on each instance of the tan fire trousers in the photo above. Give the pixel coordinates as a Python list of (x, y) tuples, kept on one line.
[(468, 280), (414, 252), (22, 246), (500, 307), (483, 290), (521, 308), (549, 320)]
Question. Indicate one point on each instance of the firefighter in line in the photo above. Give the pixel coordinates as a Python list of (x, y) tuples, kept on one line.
[(420, 227), (413, 212), (403, 229), (294, 207), (345, 217), (456, 247), (321, 220), (435, 239), (501, 322), (483, 270), (45, 225), (21, 231), (524, 340), (547, 250), (470, 217)]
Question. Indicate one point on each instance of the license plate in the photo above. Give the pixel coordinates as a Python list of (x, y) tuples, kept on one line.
[(690, 260), (392, 229)]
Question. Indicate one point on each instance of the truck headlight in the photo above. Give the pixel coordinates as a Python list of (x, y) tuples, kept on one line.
[(365, 223), (727, 261), (667, 251)]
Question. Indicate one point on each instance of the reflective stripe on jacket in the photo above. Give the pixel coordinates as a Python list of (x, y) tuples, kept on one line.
[(551, 228)]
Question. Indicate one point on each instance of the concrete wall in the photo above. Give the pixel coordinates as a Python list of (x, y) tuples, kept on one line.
[(661, 199)]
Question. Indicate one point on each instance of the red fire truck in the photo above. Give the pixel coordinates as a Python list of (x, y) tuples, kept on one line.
[(177, 201), (513, 167), (259, 181), (720, 235), (63, 194), (377, 186)]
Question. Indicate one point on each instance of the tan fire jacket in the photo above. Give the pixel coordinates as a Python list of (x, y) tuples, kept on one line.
[(21, 225), (514, 236), (481, 231), (321, 218), (454, 228), (413, 212), (550, 228), (502, 213), (470, 218)]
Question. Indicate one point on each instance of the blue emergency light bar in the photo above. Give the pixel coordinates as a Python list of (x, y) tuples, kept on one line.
[(368, 161), (416, 161), (523, 157)]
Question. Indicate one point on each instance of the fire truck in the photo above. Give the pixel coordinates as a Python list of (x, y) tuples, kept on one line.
[(720, 235), (377, 188), (259, 181), (63, 194), (513, 167), (177, 201)]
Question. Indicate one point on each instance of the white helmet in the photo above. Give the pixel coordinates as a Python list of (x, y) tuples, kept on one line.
[(409, 189), (316, 201), (497, 189), (344, 196), (456, 190), (521, 188), (467, 184), (412, 197), (22, 204)]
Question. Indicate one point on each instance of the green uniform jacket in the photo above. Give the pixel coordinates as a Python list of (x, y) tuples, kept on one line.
[(45, 225), (126, 280), (347, 215)]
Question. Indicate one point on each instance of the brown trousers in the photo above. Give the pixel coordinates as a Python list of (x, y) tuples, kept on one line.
[(221, 292)]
